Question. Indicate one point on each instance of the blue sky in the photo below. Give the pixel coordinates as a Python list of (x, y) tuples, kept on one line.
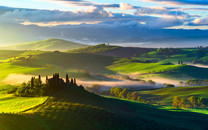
[(192, 7), (109, 15)]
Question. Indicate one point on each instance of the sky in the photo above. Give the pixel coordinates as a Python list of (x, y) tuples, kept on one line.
[(142, 21)]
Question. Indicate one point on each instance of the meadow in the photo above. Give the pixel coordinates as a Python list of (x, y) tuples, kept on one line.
[(13, 104), (68, 109)]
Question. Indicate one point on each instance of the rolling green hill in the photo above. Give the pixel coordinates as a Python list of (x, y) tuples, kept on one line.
[(79, 65), (163, 64), (66, 62), (115, 51), (158, 70), (48, 45), (68, 109), (166, 95), (194, 55)]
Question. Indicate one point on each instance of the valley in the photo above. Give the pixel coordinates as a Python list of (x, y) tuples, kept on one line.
[(142, 71)]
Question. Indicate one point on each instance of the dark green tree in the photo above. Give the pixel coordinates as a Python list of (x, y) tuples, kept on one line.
[(39, 79), (32, 82), (124, 93), (67, 79)]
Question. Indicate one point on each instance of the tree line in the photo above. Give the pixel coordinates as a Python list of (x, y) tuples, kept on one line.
[(187, 102), (126, 94), (194, 82), (167, 51)]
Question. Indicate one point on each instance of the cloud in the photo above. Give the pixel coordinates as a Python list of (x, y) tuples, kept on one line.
[(124, 6), (73, 2), (199, 22), (181, 2), (122, 33), (197, 9), (50, 24), (162, 11), (92, 13)]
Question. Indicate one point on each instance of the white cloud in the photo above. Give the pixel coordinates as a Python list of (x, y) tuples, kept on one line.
[(124, 6), (199, 21), (162, 11), (181, 2), (91, 14)]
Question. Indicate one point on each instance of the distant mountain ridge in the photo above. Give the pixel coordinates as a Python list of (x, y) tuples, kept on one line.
[(47, 45)]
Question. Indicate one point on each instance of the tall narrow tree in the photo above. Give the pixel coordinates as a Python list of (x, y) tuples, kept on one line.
[(32, 82), (72, 82), (46, 79), (39, 79), (67, 79), (75, 81)]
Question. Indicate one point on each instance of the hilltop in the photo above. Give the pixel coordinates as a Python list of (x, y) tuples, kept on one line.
[(47, 45), (115, 51), (69, 108)]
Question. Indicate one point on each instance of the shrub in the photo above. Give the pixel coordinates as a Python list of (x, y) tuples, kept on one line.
[(13, 90), (38, 89), (169, 86)]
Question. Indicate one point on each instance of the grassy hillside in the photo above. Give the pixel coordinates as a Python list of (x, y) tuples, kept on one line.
[(69, 109), (95, 49), (67, 62), (81, 64), (48, 45), (45, 63), (155, 65), (10, 103), (127, 66), (115, 51), (165, 95), (186, 55), (159, 71)]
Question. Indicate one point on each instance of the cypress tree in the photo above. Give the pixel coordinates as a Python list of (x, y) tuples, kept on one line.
[(72, 83), (46, 79), (75, 81), (32, 82), (67, 79), (39, 79)]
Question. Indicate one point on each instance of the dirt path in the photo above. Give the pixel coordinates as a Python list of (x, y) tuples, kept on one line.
[(198, 65)]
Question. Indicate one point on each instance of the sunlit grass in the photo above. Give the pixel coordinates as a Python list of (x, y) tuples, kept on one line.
[(9, 103), (140, 68)]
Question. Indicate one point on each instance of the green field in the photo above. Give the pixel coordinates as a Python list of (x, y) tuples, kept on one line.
[(126, 66), (10, 103), (185, 55), (46, 63), (152, 65), (95, 49), (166, 95), (82, 65), (67, 110)]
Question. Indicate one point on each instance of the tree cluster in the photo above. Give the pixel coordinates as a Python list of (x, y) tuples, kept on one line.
[(166, 51), (35, 87), (169, 85), (183, 102), (196, 82), (119, 92), (125, 94)]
